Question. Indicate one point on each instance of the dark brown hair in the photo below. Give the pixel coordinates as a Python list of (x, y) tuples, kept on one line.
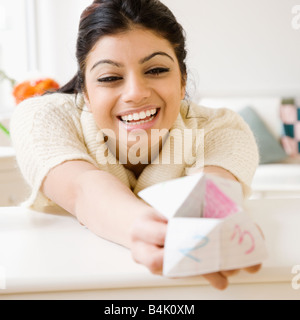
[(108, 17)]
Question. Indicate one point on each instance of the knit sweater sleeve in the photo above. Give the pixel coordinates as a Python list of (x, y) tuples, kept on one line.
[(46, 131), (230, 144)]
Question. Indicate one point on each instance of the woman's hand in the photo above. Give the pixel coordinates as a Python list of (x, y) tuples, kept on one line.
[(219, 280), (148, 235)]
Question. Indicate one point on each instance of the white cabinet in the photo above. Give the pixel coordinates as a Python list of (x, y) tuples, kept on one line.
[(280, 180), (13, 188)]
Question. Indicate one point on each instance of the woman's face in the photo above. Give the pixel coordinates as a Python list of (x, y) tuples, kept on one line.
[(133, 82)]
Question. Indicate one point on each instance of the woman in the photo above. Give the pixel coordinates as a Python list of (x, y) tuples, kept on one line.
[(78, 147)]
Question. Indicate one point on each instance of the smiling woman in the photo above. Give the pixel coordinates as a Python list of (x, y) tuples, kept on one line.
[(130, 85), (122, 90)]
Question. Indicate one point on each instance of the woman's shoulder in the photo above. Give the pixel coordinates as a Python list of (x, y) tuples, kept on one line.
[(48, 106), (54, 100), (45, 111), (201, 116), (194, 110)]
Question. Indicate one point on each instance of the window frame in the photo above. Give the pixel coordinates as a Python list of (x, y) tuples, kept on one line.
[(27, 51)]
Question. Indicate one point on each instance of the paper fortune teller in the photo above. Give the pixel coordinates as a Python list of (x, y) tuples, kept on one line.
[(208, 229)]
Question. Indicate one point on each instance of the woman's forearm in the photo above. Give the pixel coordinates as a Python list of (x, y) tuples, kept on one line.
[(220, 172), (107, 207), (98, 199)]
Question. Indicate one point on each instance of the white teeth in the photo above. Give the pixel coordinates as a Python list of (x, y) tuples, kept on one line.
[(139, 116), (136, 116), (143, 115), (139, 122)]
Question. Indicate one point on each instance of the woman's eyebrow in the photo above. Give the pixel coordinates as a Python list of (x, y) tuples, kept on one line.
[(119, 65), (158, 53), (106, 61)]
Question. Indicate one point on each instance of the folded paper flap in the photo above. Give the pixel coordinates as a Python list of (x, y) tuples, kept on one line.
[(171, 197), (230, 188), (198, 246), (218, 204), (195, 196), (243, 242), (189, 244), (208, 229)]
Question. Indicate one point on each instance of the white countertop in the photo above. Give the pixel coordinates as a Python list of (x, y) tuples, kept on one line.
[(277, 177), (52, 252)]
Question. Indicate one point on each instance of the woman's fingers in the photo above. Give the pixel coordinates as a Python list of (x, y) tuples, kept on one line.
[(217, 280), (229, 273), (148, 235), (253, 269), (150, 229), (149, 255)]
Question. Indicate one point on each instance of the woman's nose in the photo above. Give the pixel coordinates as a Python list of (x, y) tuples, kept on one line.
[(136, 90)]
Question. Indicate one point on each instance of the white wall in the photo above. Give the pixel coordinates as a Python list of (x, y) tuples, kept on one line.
[(236, 47), (13, 45), (57, 22), (241, 47)]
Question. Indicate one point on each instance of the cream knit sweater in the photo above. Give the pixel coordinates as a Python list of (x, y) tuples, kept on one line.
[(47, 131)]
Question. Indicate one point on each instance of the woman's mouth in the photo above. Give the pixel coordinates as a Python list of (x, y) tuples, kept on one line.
[(140, 120)]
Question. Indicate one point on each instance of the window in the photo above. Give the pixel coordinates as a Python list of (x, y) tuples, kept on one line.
[(17, 45), (37, 40)]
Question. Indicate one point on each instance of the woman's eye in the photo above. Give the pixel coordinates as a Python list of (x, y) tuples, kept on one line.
[(109, 79), (158, 71)]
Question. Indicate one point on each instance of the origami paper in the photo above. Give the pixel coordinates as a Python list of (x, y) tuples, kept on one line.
[(208, 228)]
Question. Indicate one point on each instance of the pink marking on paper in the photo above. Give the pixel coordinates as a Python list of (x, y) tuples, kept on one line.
[(217, 204), (237, 229)]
